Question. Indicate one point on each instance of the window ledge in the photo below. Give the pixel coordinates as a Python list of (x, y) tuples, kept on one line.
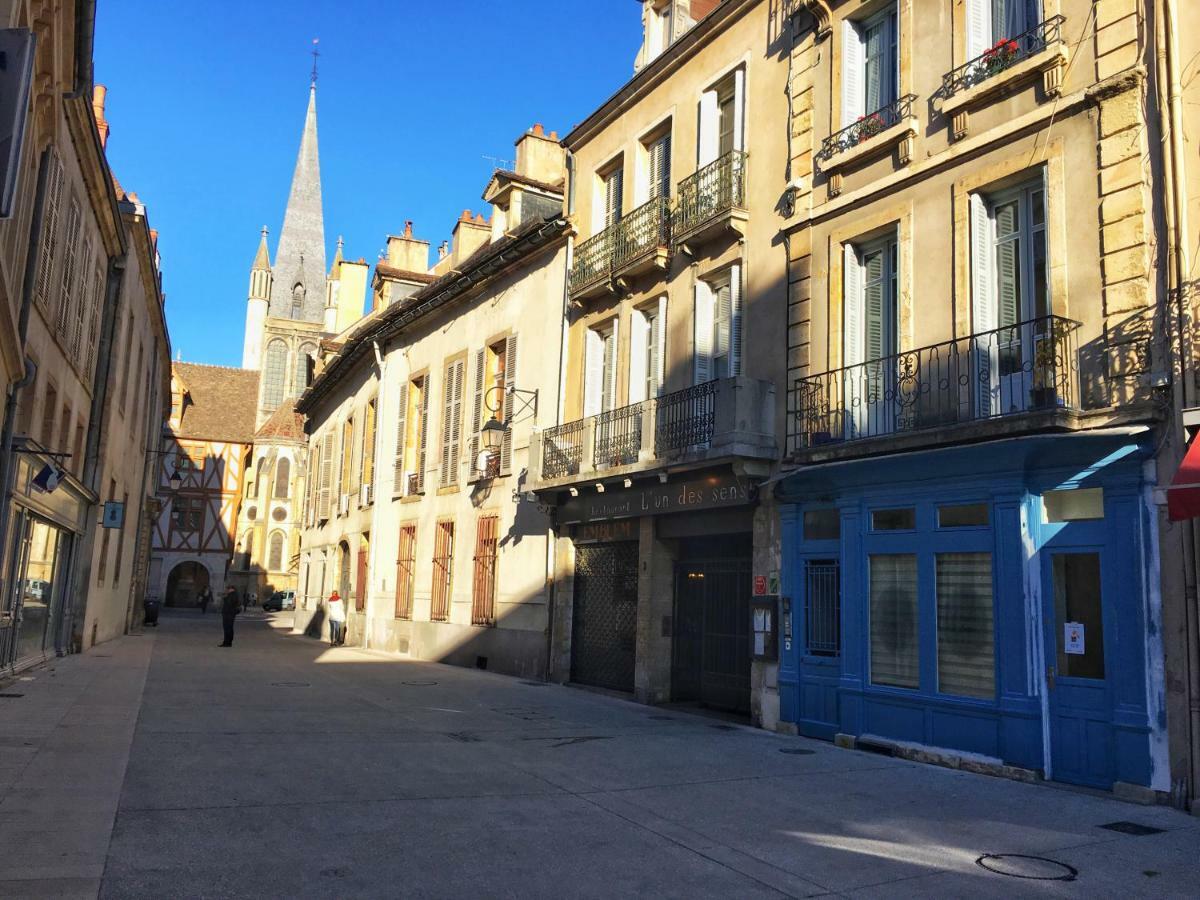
[(1050, 62), (413, 498), (903, 131)]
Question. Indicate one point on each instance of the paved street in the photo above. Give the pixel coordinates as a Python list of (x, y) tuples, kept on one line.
[(162, 766)]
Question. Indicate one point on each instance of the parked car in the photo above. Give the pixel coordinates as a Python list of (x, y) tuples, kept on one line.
[(280, 600)]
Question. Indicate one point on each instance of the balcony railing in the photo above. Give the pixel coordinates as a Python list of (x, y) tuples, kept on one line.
[(1005, 53), (713, 190), (645, 229), (729, 416), (866, 127), (1018, 369), (592, 262)]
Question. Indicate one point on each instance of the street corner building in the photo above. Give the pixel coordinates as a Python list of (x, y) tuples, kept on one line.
[(84, 350)]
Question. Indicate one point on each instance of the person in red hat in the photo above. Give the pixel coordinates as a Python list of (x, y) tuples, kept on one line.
[(337, 619)]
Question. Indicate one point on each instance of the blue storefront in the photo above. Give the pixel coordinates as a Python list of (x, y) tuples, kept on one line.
[(997, 599)]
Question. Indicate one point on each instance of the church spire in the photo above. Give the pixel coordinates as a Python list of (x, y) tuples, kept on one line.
[(298, 288)]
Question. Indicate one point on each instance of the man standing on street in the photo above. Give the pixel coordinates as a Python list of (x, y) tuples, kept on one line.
[(230, 607)]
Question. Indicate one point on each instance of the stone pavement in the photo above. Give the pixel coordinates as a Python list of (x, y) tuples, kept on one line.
[(282, 768)]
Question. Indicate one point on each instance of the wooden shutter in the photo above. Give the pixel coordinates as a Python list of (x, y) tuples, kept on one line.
[(722, 313), (979, 27), (873, 300), (852, 303), (639, 353), (709, 137), (447, 412), (852, 73), (67, 298), (658, 346), (613, 192), (326, 485), (739, 109), (49, 240), (510, 383), (593, 381), (368, 463), (735, 320), (703, 332), (983, 266), (610, 368), (477, 410), (660, 167), (82, 296), (452, 421), (423, 436), (399, 481), (1006, 222)]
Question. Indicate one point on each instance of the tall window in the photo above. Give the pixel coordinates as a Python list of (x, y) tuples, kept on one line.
[(965, 641), (275, 552), (1009, 256), (658, 166), (722, 118), (870, 65), (718, 327), (300, 376), (345, 472), (823, 610), (600, 361), (495, 377), (443, 571), (406, 566), (612, 185), (413, 409), (49, 239), (483, 586), (871, 318), (989, 21), (452, 417), (368, 442), (283, 478), (895, 654), (360, 579), (647, 349), (68, 298), (274, 374)]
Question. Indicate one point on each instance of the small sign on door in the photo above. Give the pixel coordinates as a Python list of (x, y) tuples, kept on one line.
[(760, 585), (1073, 638)]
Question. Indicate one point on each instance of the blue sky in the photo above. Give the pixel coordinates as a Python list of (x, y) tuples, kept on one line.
[(206, 107)]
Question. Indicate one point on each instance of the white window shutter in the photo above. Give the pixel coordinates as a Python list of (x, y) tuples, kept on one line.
[(659, 349), (983, 294), (610, 363), (979, 27), (853, 60), (639, 363), (709, 137), (735, 320), (398, 479), (613, 191), (422, 435), (852, 304), (739, 109), (593, 382), (703, 332), (874, 291), (510, 383), (477, 408)]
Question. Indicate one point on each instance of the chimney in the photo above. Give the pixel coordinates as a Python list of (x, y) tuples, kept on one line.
[(540, 156), (99, 94), (470, 233), (443, 249), (407, 252)]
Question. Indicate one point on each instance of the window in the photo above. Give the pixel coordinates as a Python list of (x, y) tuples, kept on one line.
[(990, 21), (966, 654), (187, 513), (612, 184), (300, 377), (452, 414), (658, 166), (412, 418), (443, 571), (49, 411), (647, 351), (68, 298), (186, 463), (283, 477), (48, 254), (127, 360), (406, 564), (963, 515), (1073, 506), (360, 580), (495, 377), (95, 302), (279, 514), (368, 450), (274, 374), (870, 65), (895, 654), (822, 525), (275, 552), (823, 611), (82, 293), (298, 301), (1077, 607), (344, 473), (894, 519), (718, 327), (871, 323), (722, 118), (600, 377), (483, 586)]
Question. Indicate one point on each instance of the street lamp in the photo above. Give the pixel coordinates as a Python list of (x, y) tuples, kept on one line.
[(493, 434)]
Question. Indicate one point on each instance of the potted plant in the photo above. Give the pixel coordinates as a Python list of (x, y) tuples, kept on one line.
[(868, 126), (1000, 56)]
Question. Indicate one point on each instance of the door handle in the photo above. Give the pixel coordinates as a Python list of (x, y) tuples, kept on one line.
[(1050, 677)]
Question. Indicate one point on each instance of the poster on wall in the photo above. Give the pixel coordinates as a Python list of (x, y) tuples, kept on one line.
[(1073, 638)]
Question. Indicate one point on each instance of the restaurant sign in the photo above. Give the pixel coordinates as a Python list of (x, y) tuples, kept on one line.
[(655, 499)]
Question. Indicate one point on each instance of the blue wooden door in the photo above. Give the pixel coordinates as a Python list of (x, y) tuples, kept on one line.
[(1078, 670)]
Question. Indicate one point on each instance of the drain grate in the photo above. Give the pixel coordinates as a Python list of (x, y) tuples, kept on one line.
[(10, 696), (1132, 828), (1018, 865), (797, 751)]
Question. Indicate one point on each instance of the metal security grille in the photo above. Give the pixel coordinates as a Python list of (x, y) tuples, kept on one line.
[(604, 625), (823, 611), (711, 647), (443, 570), (406, 564), (483, 588)]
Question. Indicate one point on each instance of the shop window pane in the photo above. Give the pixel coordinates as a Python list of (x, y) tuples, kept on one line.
[(965, 641), (1071, 506), (1078, 615), (822, 525), (894, 519), (962, 515), (895, 658), (823, 622)]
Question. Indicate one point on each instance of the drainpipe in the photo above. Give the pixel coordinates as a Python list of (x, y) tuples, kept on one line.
[(373, 555)]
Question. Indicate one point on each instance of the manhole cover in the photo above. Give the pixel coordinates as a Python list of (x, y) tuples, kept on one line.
[(1132, 828), (289, 684), (1018, 865), (419, 683), (796, 751)]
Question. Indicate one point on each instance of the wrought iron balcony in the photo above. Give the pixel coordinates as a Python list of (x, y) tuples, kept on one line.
[(722, 418), (643, 232), (592, 262), (1019, 369), (1002, 55), (712, 192), (866, 127)]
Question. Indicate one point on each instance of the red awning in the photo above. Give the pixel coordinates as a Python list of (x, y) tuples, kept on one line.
[(1183, 496)]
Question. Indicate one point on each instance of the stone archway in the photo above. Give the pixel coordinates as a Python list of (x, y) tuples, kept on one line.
[(185, 583)]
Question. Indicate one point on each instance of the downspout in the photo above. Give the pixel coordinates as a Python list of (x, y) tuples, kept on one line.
[(85, 34), (33, 254), (373, 555)]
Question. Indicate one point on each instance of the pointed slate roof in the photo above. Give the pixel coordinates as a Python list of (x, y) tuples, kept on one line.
[(262, 259), (301, 251)]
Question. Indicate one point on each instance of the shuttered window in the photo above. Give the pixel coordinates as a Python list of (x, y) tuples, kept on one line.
[(68, 297), (965, 641), (325, 496), (345, 469), (443, 572), (658, 154), (991, 20), (724, 301), (49, 249), (368, 450), (507, 379), (600, 378), (613, 184), (406, 564), (360, 577), (870, 65), (92, 339), (82, 293), (483, 586), (452, 416), (895, 653)]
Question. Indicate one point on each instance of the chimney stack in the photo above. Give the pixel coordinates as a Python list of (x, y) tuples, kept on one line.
[(540, 156), (99, 95), (470, 233), (407, 252)]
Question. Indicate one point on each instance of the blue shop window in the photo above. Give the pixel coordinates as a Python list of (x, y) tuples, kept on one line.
[(902, 519), (963, 515), (966, 645), (823, 607), (895, 620)]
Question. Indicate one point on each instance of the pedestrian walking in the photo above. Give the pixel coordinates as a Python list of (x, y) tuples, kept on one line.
[(230, 607), (205, 599), (337, 619)]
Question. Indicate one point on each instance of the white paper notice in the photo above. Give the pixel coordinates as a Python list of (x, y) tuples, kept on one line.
[(1073, 640)]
